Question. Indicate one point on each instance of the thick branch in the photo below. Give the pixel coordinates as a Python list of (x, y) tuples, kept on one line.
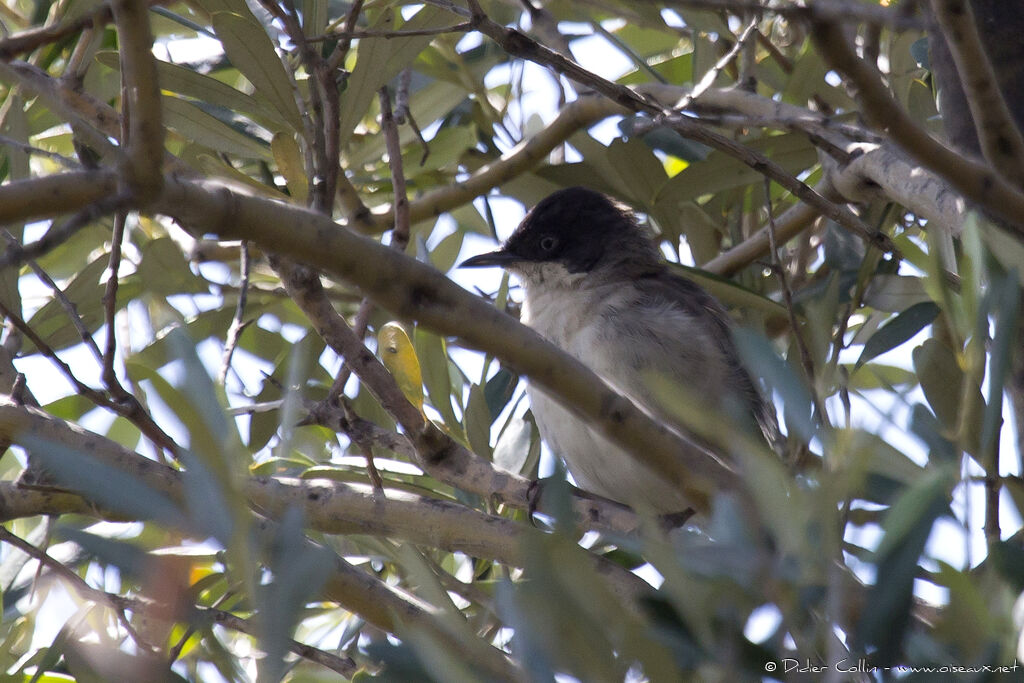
[(1001, 141), (975, 181), (145, 144), (788, 225), (98, 120), (574, 116), (328, 507)]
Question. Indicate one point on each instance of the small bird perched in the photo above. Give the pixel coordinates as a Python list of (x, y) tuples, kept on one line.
[(596, 286)]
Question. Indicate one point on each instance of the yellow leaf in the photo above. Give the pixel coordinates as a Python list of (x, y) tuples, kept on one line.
[(399, 357), (289, 163)]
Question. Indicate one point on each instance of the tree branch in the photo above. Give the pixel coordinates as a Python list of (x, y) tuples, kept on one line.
[(975, 181), (327, 506), (145, 143), (1001, 140)]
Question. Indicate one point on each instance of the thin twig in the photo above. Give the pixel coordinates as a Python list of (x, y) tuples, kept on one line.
[(711, 76), (58, 293), (853, 12), (58, 234), (400, 233), (398, 33), (36, 37), (337, 57), (770, 169), (38, 151), (787, 297), (110, 297), (360, 324), (121, 402), (45, 560), (238, 323)]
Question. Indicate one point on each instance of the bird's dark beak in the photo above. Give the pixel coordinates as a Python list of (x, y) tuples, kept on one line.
[(495, 258)]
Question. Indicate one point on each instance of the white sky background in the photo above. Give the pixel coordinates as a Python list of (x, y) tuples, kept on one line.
[(948, 543)]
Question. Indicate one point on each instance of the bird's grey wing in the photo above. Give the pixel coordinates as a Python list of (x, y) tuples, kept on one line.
[(704, 342)]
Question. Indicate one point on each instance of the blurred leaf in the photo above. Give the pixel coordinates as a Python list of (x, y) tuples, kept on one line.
[(919, 51), (665, 139), (164, 270), (196, 125), (895, 292), (759, 356), (499, 390), (446, 253), (477, 421), (183, 80), (1005, 295), (907, 527), (720, 172), (645, 41), (966, 620), (638, 171), (131, 560), (516, 450), (104, 484), (85, 292), (898, 330), (289, 162), (731, 293), (1008, 557), (299, 569), (925, 425), (433, 356), (71, 407), (251, 51), (878, 376), (942, 381)]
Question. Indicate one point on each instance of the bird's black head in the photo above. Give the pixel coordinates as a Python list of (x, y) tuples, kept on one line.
[(577, 228)]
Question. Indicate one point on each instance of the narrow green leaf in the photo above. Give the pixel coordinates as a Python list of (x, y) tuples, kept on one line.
[(289, 162), (516, 448), (434, 364), (478, 421), (758, 354), (103, 483), (251, 51), (940, 376), (899, 330), (907, 527), (1005, 293), (380, 60), (499, 390), (164, 270), (190, 83), (731, 293), (195, 124)]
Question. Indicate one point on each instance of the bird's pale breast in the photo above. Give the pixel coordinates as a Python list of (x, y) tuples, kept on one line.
[(605, 329)]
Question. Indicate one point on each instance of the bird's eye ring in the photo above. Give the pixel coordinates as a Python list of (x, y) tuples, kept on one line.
[(548, 243)]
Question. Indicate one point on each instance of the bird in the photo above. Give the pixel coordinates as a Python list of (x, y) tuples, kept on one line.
[(596, 285)]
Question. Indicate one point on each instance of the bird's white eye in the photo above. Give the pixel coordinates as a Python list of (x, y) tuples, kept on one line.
[(548, 243)]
